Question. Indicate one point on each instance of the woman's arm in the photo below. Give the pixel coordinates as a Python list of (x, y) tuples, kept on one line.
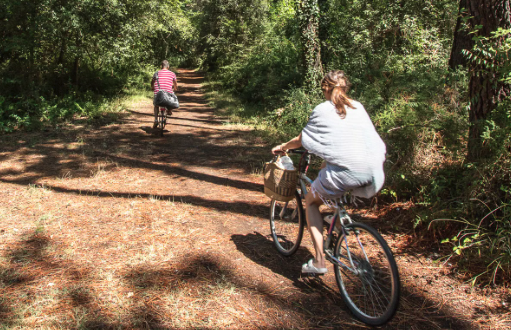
[(294, 143)]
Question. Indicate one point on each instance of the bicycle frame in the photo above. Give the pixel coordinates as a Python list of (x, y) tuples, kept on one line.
[(162, 116), (371, 292), (340, 215)]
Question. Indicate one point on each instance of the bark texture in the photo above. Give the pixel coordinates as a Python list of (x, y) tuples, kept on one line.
[(462, 40), (485, 90), (308, 12)]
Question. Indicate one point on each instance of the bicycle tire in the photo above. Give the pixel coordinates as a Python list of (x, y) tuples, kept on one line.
[(378, 274), (287, 221), (161, 122)]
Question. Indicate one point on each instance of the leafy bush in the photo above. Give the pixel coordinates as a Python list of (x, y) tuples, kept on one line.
[(31, 113), (54, 54), (292, 118), (483, 241), (263, 76), (265, 65)]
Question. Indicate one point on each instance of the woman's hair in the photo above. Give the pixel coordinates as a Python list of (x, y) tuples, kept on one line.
[(336, 83)]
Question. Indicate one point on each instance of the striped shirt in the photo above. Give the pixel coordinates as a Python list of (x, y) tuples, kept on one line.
[(166, 79)]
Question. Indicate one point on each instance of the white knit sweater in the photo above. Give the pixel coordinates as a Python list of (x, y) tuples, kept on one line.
[(351, 146)]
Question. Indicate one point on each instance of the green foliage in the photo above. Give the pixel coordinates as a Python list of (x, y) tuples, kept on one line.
[(491, 54), (290, 119), (483, 240), (227, 28), (266, 67), (32, 113), (485, 244), (425, 134), (263, 75), (53, 51), (69, 60), (389, 40)]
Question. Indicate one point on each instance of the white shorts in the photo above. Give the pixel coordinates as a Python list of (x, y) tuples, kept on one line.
[(334, 181)]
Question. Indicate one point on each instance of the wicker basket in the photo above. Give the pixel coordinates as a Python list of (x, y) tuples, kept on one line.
[(279, 184)]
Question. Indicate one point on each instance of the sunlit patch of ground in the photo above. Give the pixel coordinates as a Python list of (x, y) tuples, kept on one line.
[(114, 227)]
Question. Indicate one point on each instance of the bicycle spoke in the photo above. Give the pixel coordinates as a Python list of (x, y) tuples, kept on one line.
[(365, 270), (286, 221), (377, 299), (371, 292)]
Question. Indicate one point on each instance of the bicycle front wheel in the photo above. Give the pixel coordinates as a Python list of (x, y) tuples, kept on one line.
[(287, 222), (368, 279)]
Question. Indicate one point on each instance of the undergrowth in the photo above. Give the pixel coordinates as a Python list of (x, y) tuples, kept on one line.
[(461, 204), (33, 112), (419, 106)]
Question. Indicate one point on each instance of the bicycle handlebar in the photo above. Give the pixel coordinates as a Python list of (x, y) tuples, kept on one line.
[(297, 151), (304, 159)]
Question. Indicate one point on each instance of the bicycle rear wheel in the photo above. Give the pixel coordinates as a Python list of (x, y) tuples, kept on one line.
[(162, 121), (287, 221), (371, 287)]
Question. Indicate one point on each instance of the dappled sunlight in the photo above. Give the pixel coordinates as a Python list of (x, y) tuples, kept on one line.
[(113, 227)]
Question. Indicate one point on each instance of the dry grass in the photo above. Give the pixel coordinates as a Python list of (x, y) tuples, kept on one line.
[(125, 230)]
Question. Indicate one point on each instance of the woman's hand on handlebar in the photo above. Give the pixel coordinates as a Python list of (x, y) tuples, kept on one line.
[(294, 143), (278, 150)]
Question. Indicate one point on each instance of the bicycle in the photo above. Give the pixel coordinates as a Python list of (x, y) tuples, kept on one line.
[(365, 270), (162, 120)]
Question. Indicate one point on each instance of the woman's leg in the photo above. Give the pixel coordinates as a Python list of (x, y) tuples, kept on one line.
[(315, 225)]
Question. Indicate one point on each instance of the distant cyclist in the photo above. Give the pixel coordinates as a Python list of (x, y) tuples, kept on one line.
[(167, 81)]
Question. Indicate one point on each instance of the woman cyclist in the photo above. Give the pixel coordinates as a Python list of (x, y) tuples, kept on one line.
[(167, 81), (342, 134)]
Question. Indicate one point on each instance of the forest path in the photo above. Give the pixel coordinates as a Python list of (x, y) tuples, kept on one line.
[(114, 227)]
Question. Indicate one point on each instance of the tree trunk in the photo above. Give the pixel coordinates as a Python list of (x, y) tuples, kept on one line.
[(485, 89), (462, 40), (308, 15), (75, 76)]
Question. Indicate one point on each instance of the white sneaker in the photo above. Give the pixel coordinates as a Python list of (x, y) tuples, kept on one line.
[(309, 268)]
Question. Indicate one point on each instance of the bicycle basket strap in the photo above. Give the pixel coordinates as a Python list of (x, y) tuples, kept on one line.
[(158, 81)]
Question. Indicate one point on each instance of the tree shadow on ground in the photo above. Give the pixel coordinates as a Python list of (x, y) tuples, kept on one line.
[(261, 250), (198, 141), (211, 280), (33, 270), (234, 206), (77, 160), (190, 292), (214, 121), (76, 150)]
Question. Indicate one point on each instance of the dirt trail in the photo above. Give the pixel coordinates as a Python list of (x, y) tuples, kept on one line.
[(112, 227)]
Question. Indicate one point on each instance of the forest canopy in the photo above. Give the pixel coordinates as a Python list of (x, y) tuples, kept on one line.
[(434, 75)]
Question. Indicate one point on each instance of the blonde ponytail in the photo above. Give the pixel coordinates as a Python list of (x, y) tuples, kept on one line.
[(336, 83)]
